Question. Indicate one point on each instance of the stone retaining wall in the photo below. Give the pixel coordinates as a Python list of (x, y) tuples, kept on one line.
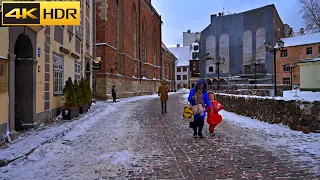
[(298, 115), (256, 92), (232, 88)]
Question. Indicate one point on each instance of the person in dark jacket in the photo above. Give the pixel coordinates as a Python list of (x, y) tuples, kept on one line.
[(199, 96), (114, 94)]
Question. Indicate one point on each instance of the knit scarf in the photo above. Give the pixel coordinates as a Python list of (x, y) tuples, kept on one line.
[(199, 97)]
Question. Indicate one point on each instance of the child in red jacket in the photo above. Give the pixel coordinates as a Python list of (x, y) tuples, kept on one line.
[(213, 117)]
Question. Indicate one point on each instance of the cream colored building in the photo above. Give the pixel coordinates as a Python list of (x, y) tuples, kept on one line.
[(4, 63), (43, 58), (310, 74)]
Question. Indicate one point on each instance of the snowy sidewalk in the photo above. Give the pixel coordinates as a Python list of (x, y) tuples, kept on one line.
[(30, 140)]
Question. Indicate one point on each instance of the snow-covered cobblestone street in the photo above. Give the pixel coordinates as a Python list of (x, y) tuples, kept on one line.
[(132, 140)]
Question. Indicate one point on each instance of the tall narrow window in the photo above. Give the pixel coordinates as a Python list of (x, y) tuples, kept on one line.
[(154, 50), (144, 43), (58, 75), (144, 39), (119, 35), (154, 43), (134, 39), (134, 32)]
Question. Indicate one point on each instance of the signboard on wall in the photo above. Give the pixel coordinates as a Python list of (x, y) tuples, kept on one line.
[(3, 76), (96, 63)]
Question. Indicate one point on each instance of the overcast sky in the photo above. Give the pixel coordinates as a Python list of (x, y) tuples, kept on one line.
[(180, 15)]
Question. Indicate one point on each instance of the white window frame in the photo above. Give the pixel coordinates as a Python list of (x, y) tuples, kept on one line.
[(77, 71), (209, 69), (286, 81), (284, 53), (57, 75), (309, 48)]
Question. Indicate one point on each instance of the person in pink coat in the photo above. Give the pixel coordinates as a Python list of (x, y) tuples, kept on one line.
[(213, 117)]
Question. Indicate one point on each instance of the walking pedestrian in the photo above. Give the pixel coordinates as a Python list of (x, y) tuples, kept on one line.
[(163, 93), (213, 117), (199, 99), (114, 94)]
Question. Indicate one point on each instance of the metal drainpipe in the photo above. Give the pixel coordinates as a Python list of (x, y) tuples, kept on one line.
[(94, 49), (140, 41)]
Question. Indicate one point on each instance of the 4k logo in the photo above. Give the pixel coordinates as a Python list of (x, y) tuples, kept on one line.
[(20, 13), (25, 13)]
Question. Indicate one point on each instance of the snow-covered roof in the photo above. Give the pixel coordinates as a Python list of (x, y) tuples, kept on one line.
[(166, 49), (182, 54), (301, 40)]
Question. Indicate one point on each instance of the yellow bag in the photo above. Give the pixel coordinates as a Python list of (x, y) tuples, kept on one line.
[(188, 113)]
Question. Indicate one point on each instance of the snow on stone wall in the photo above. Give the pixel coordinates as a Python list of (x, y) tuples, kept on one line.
[(298, 115)]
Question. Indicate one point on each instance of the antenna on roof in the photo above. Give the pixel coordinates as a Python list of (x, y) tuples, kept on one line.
[(228, 11), (223, 11)]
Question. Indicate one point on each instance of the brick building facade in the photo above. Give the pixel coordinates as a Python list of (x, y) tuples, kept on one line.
[(299, 48), (168, 66), (129, 39)]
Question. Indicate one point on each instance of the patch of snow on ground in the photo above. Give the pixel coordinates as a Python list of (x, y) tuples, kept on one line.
[(302, 147), (32, 139), (184, 90), (302, 95)]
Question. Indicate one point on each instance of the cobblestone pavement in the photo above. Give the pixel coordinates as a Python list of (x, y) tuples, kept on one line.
[(137, 142), (230, 154)]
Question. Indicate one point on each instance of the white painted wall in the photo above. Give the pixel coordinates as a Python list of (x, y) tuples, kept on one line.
[(182, 73)]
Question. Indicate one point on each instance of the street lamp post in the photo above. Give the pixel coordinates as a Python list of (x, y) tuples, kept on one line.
[(217, 62), (255, 63), (270, 48), (291, 66)]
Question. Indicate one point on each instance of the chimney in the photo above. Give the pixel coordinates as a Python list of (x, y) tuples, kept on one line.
[(302, 31), (178, 45), (189, 31)]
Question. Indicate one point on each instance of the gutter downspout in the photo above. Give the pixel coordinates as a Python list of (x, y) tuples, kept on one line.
[(140, 40), (94, 49)]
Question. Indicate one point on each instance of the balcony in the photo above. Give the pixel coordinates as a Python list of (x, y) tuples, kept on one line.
[(252, 72), (195, 74)]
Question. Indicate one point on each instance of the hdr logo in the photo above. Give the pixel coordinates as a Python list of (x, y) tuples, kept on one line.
[(40, 13)]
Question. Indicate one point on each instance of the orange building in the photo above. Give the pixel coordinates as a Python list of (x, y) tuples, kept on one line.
[(297, 48)]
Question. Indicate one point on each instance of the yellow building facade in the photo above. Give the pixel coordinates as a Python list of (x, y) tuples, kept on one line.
[(42, 59), (310, 74), (4, 76)]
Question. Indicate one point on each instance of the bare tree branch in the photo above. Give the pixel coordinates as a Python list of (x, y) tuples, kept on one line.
[(310, 10)]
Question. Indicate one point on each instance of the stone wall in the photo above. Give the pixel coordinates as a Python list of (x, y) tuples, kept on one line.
[(125, 86), (298, 115), (249, 88), (256, 92)]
